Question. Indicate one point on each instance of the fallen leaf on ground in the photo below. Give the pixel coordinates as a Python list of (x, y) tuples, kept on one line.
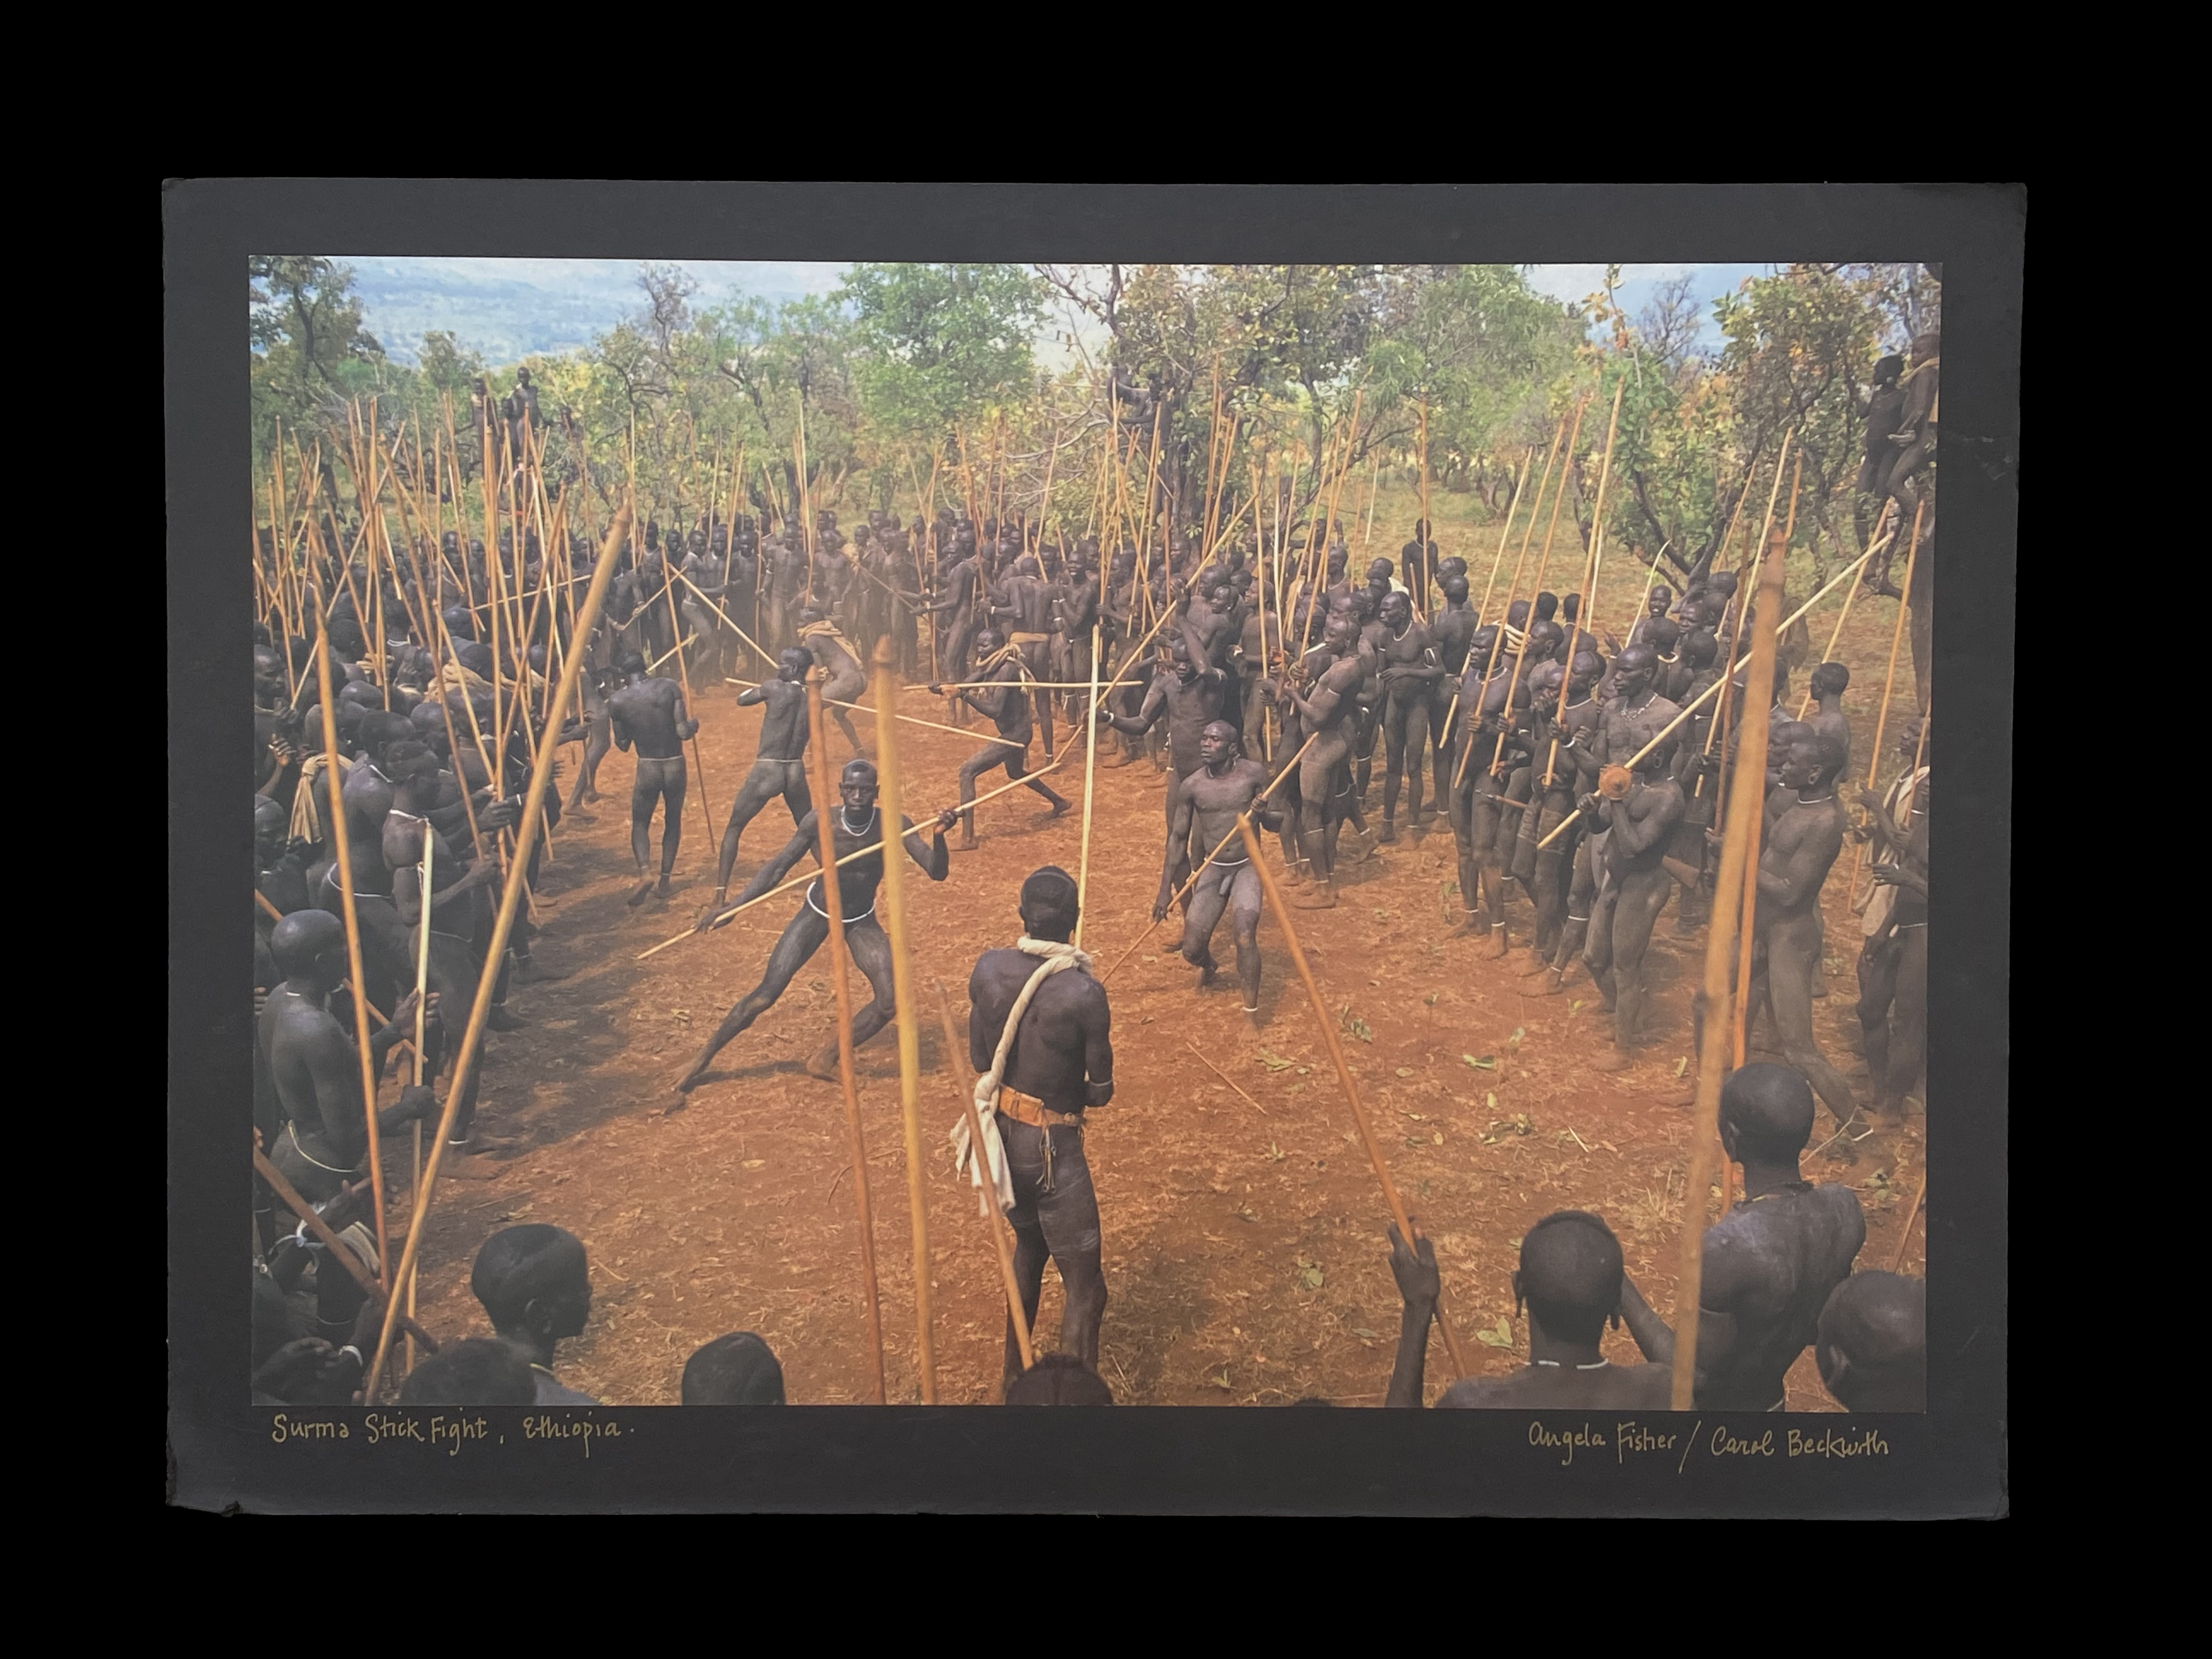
[(1500, 1336), (1487, 1063)]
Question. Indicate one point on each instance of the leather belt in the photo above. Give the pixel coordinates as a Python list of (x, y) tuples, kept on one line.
[(1028, 1109)]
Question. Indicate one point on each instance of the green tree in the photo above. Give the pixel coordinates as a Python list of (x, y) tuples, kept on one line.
[(309, 348), (937, 343)]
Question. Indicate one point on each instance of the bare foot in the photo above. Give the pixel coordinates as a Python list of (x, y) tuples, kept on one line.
[(1252, 1018), (1538, 963), (1504, 943), (1553, 984), (638, 897), (1323, 898), (660, 888), (502, 1019), (1389, 835), (1059, 806), (1612, 1058), (823, 1063), (967, 843)]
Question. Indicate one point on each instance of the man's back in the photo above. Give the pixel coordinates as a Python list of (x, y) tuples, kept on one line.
[(1049, 1055), (1769, 1267)]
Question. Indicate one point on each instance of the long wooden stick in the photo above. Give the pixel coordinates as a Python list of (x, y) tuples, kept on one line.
[(1904, 1239), (1226, 1078), (341, 838), (841, 976), (541, 775), (1743, 819), (422, 998), (963, 1082), (684, 672), (1698, 701), (321, 1229), (1090, 777), (909, 1028), (1835, 633), (1327, 1025)]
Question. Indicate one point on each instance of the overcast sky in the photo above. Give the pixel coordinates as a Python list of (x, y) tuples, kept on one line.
[(510, 308)]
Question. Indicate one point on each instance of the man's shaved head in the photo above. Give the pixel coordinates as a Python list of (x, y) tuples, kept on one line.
[(1872, 1343), (303, 938), (480, 1371), (1049, 901), (737, 1369), (1830, 679), (1571, 1274), (534, 1266), (1766, 1113)]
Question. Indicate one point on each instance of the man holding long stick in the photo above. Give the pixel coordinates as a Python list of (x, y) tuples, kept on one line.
[(310, 1063), (1040, 1035), (1214, 797), (855, 821)]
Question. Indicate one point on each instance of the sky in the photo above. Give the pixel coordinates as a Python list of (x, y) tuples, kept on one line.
[(507, 309)]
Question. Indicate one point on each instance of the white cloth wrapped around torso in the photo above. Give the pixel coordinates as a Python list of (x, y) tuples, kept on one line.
[(1058, 956)]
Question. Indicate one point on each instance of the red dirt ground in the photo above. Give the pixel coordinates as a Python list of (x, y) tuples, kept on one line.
[(1245, 1247)]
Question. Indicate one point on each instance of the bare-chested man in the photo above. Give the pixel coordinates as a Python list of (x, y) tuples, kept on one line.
[(1565, 767), (1412, 666), (1058, 1064), (1026, 600), (1892, 967), (780, 763), (839, 659), (856, 822), (1829, 682), (1635, 716), (1212, 799), (1006, 701), (1771, 1263), (1321, 692), (314, 1068), (1188, 693), (1635, 831), (649, 713), (1800, 842)]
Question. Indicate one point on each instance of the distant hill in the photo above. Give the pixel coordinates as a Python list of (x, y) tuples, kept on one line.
[(510, 309)]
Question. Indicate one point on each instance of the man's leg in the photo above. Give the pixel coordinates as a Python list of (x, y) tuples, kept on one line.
[(800, 941), (1413, 719), (1245, 898), (1024, 1168), (1878, 963), (982, 761), (1582, 899), (1908, 1059), (1017, 769), (1394, 765), (761, 785), (1643, 895), (675, 781), (1793, 957), (1597, 949), (1069, 1217), (1201, 915), (644, 796)]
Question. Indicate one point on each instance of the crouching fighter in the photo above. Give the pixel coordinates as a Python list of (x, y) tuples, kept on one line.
[(856, 824)]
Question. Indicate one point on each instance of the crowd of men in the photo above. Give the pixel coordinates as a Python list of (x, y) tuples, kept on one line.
[(1579, 795)]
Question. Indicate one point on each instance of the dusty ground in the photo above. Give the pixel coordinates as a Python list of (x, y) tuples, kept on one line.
[(1244, 1245)]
